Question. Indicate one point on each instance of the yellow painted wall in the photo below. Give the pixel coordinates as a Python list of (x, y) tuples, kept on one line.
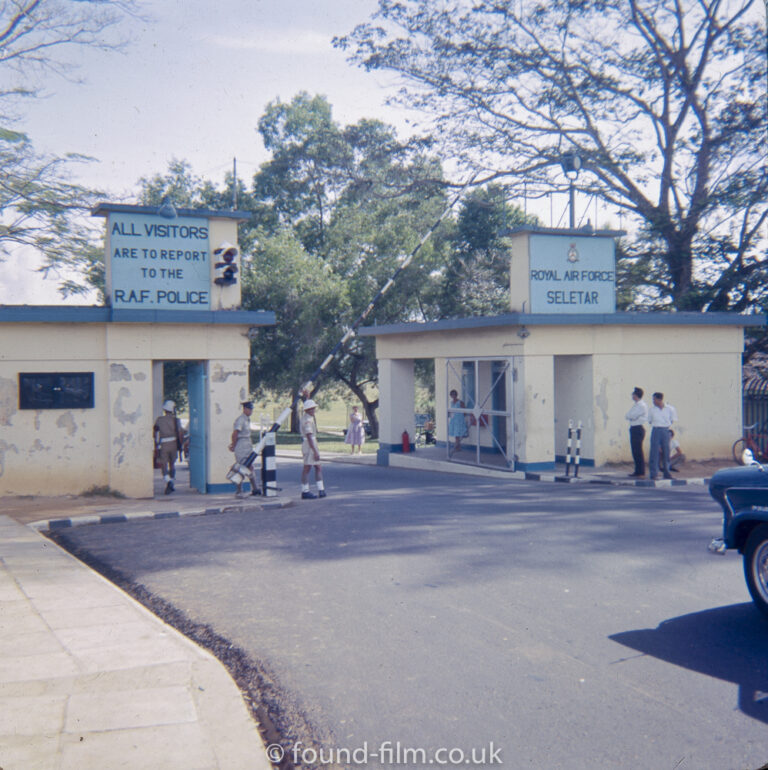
[(53, 452), (697, 367)]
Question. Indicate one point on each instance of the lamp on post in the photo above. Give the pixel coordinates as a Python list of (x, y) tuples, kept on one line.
[(571, 165)]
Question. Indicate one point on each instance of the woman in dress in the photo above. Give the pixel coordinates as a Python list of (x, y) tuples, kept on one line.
[(355, 432), (457, 425)]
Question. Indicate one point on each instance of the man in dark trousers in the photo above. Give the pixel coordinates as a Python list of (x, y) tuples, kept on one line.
[(638, 417)]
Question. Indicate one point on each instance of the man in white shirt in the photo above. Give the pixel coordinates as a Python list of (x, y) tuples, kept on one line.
[(637, 416), (661, 416)]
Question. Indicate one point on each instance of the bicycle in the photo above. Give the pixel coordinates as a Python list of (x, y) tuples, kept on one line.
[(425, 430), (755, 442)]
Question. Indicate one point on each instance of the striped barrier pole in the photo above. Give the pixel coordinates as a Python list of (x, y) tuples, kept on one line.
[(269, 466), (568, 448), (578, 449)]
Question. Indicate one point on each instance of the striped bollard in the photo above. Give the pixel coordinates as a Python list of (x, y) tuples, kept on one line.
[(568, 448), (578, 450), (269, 466)]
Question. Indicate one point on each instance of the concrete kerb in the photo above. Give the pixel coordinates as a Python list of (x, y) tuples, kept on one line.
[(53, 525), (443, 466)]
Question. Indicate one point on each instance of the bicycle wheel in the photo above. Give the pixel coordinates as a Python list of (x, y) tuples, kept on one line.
[(738, 451)]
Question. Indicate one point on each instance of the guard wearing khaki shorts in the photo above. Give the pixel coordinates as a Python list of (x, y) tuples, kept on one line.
[(310, 452)]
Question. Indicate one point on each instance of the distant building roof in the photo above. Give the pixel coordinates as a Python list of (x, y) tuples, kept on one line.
[(103, 209)]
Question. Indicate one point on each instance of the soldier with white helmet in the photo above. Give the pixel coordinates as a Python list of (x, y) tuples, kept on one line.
[(310, 452), (168, 440)]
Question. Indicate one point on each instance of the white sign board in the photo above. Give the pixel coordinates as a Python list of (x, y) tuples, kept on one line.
[(158, 263), (572, 274)]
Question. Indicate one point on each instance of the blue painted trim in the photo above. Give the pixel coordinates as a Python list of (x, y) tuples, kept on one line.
[(576, 319), (222, 489), (103, 209), (84, 314), (382, 457), (534, 467)]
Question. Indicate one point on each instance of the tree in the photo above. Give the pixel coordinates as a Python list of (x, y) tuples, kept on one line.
[(41, 208), (353, 198), (308, 298), (663, 103), (476, 279)]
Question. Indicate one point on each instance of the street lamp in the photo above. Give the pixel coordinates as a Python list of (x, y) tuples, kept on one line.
[(571, 165)]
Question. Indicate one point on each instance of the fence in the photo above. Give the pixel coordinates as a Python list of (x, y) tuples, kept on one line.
[(755, 401)]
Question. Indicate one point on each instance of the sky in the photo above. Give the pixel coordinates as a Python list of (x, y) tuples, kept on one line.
[(192, 85)]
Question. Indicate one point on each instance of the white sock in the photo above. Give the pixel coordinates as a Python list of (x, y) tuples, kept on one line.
[(305, 487), (320, 485)]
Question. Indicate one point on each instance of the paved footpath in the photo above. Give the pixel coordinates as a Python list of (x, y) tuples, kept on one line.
[(89, 679)]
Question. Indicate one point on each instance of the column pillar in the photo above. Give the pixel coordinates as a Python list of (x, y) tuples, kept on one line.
[(396, 405), (534, 413)]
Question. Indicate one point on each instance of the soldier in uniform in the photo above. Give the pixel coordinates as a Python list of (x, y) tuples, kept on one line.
[(168, 440), (241, 444), (310, 452)]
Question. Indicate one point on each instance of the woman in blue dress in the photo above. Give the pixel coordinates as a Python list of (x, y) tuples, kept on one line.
[(457, 424)]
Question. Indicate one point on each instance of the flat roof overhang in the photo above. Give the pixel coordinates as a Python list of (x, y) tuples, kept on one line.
[(104, 209), (95, 314), (554, 319)]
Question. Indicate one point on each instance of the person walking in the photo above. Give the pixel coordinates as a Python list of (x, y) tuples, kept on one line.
[(310, 451), (660, 416), (240, 444), (168, 441), (638, 417), (355, 432)]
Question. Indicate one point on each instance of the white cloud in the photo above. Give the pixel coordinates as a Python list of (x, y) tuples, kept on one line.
[(300, 42)]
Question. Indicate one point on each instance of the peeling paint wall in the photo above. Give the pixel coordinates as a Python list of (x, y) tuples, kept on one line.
[(67, 451), (227, 388)]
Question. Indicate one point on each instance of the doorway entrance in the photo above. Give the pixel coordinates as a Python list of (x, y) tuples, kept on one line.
[(480, 424), (184, 382)]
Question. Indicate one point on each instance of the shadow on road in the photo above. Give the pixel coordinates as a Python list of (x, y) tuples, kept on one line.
[(727, 643)]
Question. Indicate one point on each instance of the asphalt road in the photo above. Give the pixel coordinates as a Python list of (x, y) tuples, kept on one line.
[(547, 625)]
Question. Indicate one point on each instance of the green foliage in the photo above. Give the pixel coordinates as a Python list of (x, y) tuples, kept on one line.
[(308, 299), (476, 279)]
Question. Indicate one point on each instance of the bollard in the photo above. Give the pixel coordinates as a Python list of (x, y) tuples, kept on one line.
[(578, 449), (568, 448), (573, 459), (269, 466)]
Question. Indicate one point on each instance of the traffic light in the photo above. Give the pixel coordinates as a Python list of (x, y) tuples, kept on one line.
[(226, 268)]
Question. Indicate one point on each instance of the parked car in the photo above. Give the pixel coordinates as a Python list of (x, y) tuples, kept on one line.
[(742, 493)]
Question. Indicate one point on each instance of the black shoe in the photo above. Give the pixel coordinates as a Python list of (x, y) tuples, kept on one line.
[(667, 476), (675, 470), (321, 493), (255, 492), (169, 488), (308, 496)]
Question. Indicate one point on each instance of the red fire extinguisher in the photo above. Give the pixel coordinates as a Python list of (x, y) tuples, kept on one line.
[(406, 442)]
